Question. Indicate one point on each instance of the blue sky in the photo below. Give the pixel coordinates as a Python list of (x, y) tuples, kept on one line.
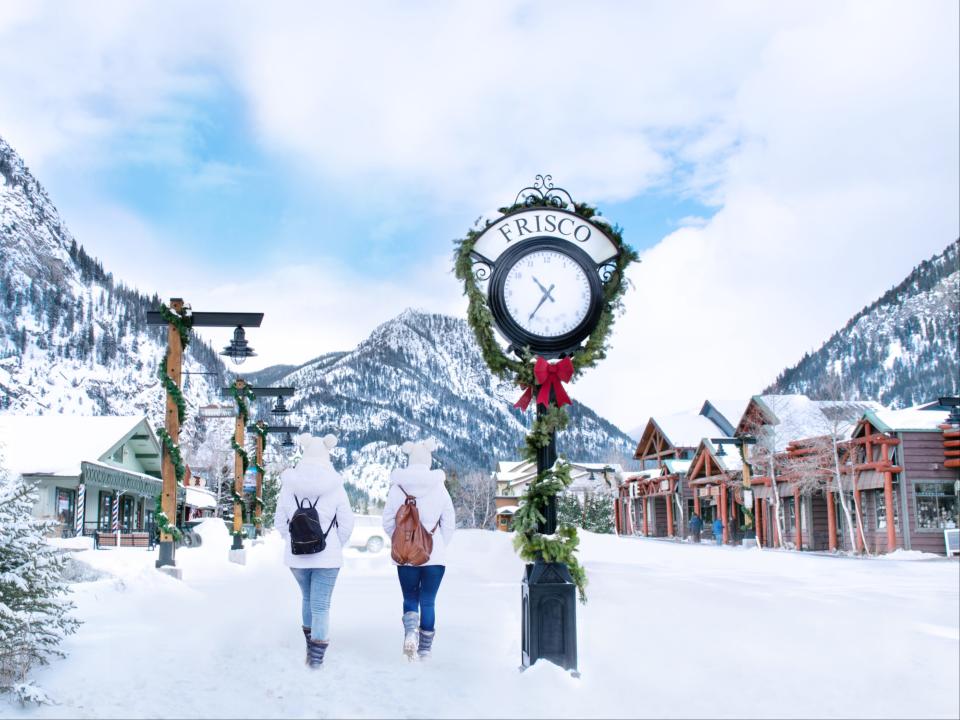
[(314, 160)]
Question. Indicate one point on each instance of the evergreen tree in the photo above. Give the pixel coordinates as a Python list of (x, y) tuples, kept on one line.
[(34, 616)]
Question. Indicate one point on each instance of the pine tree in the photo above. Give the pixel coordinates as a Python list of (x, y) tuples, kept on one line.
[(271, 491), (34, 616)]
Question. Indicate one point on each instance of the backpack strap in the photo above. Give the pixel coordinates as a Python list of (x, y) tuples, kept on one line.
[(409, 496), (330, 527), (436, 526), (314, 504), (297, 499)]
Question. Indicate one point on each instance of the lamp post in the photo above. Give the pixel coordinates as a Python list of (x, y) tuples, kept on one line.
[(241, 390), (741, 443), (262, 428), (182, 317)]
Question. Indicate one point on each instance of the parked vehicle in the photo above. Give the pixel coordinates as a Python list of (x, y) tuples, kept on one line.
[(368, 533)]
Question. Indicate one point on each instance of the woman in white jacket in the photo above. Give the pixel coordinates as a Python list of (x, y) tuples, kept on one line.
[(420, 583), (314, 482)]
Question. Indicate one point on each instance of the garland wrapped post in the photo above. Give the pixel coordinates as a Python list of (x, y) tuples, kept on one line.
[(178, 316), (242, 394), (540, 382)]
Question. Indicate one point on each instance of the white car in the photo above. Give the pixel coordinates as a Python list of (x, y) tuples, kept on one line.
[(368, 533)]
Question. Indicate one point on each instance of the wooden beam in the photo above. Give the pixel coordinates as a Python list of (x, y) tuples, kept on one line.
[(831, 521)]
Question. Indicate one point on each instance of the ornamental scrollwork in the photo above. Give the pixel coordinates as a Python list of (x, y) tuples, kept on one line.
[(543, 192)]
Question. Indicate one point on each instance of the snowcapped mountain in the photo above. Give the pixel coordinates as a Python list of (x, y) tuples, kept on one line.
[(421, 375), (72, 340), (901, 350)]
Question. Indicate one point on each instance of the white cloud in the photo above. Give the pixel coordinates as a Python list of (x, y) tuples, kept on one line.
[(826, 133)]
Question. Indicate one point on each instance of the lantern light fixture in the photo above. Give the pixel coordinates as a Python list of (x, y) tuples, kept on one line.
[(239, 349)]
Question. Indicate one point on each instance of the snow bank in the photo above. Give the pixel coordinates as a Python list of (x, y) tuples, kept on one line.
[(668, 629)]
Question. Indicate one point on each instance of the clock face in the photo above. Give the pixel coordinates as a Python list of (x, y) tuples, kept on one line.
[(547, 293)]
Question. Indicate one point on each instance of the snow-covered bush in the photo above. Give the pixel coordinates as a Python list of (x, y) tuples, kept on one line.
[(594, 512), (33, 612)]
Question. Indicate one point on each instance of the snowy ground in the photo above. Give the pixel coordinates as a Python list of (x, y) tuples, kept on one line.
[(670, 630)]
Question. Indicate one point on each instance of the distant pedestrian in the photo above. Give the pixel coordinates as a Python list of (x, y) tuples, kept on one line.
[(312, 503), (420, 519), (718, 531), (696, 526)]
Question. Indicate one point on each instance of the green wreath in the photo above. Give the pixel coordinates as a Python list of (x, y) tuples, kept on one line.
[(241, 396), (529, 542)]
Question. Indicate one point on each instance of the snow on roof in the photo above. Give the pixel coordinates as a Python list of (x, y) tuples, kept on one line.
[(677, 466), (797, 416), (687, 429), (730, 460), (56, 444), (914, 418), (200, 498), (508, 510)]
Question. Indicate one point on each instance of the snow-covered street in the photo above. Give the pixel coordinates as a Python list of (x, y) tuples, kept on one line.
[(665, 626)]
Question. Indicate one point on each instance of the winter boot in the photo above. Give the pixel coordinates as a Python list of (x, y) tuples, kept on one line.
[(316, 649), (426, 643), (306, 635), (411, 621)]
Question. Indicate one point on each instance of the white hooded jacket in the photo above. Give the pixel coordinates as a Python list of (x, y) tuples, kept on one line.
[(314, 479), (433, 503)]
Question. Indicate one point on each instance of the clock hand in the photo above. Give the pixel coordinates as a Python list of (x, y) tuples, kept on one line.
[(539, 284), (542, 301), (546, 291)]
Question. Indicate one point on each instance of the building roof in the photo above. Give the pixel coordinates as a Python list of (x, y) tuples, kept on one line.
[(916, 419), (57, 444), (200, 498), (677, 466), (797, 416)]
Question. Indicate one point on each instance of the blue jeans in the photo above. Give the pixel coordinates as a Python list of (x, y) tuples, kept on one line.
[(420, 586), (316, 586)]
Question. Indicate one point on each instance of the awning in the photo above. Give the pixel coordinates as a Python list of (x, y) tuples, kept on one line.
[(118, 479), (762, 492), (869, 481), (199, 498)]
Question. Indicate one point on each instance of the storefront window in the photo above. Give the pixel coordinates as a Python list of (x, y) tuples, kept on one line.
[(65, 509), (127, 508), (881, 505), (789, 516), (936, 506), (105, 510)]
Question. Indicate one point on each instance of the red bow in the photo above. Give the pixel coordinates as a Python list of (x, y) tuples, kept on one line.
[(548, 376)]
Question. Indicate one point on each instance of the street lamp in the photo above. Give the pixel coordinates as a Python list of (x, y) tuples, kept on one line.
[(287, 441), (280, 407), (239, 349), (180, 320), (262, 429), (741, 444), (239, 390)]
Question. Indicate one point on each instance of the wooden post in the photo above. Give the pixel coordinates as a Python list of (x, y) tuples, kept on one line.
[(831, 521), (757, 515), (238, 432), (723, 512), (857, 517), (168, 497), (258, 512), (669, 499), (645, 534), (888, 500), (775, 525), (696, 501), (797, 517)]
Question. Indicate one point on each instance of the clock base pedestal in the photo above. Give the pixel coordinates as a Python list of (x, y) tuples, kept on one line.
[(549, 616)]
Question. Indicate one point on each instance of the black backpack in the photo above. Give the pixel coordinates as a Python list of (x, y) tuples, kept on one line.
[(306, 532)]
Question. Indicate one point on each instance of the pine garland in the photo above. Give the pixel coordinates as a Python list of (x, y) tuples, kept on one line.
[(173, 390), (529, 542), (182, 321), (241, 396), (173, 451), (244, 455), (238, 500), (163, 522)]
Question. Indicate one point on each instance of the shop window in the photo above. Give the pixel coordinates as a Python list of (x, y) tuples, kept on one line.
[(880, 503), (936, 506), (105, 511), (66, 507)]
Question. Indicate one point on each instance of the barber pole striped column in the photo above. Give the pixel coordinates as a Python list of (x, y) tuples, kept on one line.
[(81, 505), (116, 513)]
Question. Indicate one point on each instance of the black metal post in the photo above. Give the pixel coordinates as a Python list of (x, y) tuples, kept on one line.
[(548, 596)]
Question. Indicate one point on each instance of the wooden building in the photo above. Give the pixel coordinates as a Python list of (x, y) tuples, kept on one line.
[(657, 501), (98, 474)]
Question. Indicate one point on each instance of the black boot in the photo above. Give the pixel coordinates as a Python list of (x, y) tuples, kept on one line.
[(306, 635), (316, 649)]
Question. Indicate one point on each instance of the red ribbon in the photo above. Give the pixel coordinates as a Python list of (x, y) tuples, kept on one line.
[(549, 376)]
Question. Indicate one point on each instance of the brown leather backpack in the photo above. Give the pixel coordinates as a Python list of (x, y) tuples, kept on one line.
[(412, 544)]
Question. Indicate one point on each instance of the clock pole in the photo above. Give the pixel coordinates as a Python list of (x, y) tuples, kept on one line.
[(546, 458)]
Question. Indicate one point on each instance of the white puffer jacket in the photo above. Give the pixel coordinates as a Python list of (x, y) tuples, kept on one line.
[(314, 479), (433, 503)]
